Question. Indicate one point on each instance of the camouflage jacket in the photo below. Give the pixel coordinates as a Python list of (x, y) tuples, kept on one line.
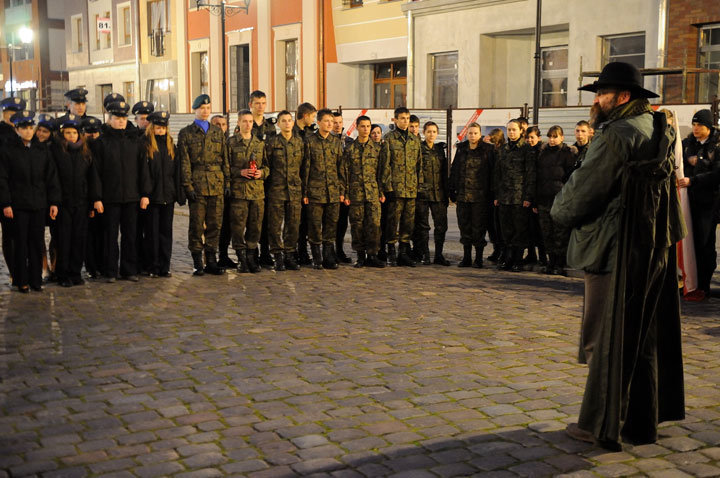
[(265, 131), (364, 172), (471, 174), (204, 160), (322, 176), (284, 159), (303, 133), (403, 159), (434, 166), (240, 153), (514, 174)]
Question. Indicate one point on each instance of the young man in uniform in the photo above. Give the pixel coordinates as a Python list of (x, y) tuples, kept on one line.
[(401, 152), (206, 177), (414, 126), (304, 121), (366, 178), (284, 193), (224, 259), (141, 110), (345, 140), (248, 171), (323, 189)]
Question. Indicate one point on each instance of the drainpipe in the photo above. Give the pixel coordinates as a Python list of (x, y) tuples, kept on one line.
[(411, 61), (662, 44)]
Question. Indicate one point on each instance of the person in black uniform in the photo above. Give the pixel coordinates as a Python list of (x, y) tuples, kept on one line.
[(95, 241), (74, 165), (166, 180), (141, 110), (123, 181), (28, 186), (9, 106), (44, 131)]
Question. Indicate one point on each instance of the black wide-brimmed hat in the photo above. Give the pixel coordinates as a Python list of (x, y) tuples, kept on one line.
[(621, 76)]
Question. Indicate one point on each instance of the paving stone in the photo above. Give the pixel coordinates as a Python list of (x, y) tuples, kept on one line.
[(316, 465), (204, 460), (309, 441), (158, 469)]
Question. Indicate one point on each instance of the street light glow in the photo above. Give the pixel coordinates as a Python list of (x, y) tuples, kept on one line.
[(26, 35)]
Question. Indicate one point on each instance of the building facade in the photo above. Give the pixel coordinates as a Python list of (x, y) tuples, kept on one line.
[(469, 53), (38, 68)]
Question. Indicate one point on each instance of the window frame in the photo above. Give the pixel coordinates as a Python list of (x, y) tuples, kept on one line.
[(433, 70), (393, 81), (124, 37), (606, 57), (76, 33), (706, 77)]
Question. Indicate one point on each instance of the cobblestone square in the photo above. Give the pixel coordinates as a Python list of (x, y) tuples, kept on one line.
[(398, 372)]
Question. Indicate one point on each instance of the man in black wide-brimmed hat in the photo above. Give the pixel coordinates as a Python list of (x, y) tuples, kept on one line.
[(623, 207)]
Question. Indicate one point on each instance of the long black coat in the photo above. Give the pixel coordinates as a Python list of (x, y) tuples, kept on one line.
[(165, 175), (121, 167), (28, 176), (75, 173), (553, 166)]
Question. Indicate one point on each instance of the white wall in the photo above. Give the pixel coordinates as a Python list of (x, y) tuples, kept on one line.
[(349, 86)]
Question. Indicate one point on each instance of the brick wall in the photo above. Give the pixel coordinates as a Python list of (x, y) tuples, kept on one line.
[(684, 19)]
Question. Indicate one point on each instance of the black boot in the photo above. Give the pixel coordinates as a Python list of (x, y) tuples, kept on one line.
[(290, 262), (265, 258), (225, 261), (341, 256), (279, 262), (391, 257), (373, 261), (531, 258), (211, 265), (303, 257), (316, 256), (361, 258), (404, 258), (425, 256), (242, 266), (328, 259), (506, 259), (467, 256), (197, 264), (497, 252), (542, 257), (478, 264), (252, 261), (517, 264), (439, 258), (559, 267), (548, 268), (382, 254)]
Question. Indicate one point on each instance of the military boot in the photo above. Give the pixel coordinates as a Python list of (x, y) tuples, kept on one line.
[(265, 258), (548, 268), (290, 262), (197, 264), (341, 256), (253, 263), (404, 258), (382, 254), (467, 256), (279, 262), (242, 266), (425, 256), (328, 261), (211, 265), (478, 264), (225, 261), (559, 266), (506, 259), (496, 253), (517, 263), (361, 258), (316, 256), (439, 258), (373, 261), (303, 257), (542, 257), (391, 257), (531, 257)]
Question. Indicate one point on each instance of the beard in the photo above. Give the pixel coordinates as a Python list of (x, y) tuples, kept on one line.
[(600, 114)]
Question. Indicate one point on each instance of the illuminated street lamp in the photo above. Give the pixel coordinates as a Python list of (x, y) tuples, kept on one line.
[(26, 36)]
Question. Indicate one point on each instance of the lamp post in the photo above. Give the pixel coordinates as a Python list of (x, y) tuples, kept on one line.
[(26, 37), (225, 10)]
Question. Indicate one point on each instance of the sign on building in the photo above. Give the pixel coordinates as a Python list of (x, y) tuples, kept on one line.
[(103, 25)]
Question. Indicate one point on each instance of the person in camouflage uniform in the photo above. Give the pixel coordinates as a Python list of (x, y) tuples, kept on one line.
[(206, 178), (432, 197), (323, 187), (303, 128), (344, 215), (470, 181), (514, 187), (366, 177), (401, 152), (248, 171), (284, 193)]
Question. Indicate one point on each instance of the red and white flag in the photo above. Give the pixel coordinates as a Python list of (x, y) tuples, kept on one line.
[(686, 248)]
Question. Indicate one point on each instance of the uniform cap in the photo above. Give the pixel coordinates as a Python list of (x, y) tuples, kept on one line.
[(77, 95), (69, 121), (143, 108), (160, 118), (118, 108), (13, 104), (23, 118), (91, 124), (200, 100), (47, 121), (112, 98)]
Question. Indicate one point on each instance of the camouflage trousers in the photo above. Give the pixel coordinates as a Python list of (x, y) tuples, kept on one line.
[(423, 210), (365, 226), (246, 222), (206, 215), (400, 220), (515, 225), (473, 223), (555, 237), (283, 218), (322, 222)]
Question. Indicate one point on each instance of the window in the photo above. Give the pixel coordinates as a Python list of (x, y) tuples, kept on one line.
[(628, 48), (239, 76), (129, 92), (161, 94), (200, 73), (352, 3), (125, 26), (21, 51), (445, 79), (708, 57), (76, 24), (104, 90), (390, 85), (554, 76), (291, 72), (157, 26)]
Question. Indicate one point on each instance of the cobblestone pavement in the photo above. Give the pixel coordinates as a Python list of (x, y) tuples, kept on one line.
[(399, 372)]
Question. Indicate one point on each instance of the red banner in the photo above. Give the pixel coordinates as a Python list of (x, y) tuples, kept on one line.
[(352, 126), (472, 119)]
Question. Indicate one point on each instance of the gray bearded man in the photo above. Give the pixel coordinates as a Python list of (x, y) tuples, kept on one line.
[(623, 207)]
